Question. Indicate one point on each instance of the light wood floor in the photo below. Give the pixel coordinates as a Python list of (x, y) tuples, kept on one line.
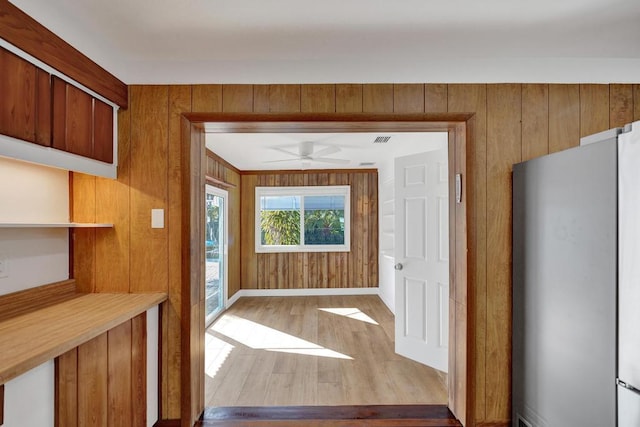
[(337, 350)]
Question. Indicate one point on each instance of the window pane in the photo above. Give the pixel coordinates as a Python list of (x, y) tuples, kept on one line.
[(324, 220), (280, 220)]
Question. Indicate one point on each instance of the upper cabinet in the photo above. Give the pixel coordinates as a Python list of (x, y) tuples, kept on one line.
[(44, 118)]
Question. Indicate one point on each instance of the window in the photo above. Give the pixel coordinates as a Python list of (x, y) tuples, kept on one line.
[(303, 219)]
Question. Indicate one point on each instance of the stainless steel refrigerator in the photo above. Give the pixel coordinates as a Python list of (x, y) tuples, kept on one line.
[(576, 283)]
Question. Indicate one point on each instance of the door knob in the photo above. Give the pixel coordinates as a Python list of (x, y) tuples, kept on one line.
[(398, 266)]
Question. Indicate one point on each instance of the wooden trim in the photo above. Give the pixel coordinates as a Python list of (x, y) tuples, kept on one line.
[(24, 32), (462, 401), (324, 122), (219, 159), (167, 423), (1, 404), (215, 181), (418, 415), (30, 300), (306, 171)]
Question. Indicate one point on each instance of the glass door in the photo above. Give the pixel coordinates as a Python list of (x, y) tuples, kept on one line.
[(215, 242)]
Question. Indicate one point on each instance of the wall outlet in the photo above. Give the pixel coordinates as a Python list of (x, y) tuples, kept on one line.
[(4, 267)]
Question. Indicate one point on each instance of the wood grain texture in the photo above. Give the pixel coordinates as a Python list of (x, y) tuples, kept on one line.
[(348, 98), (139, 370), (261, 98), (564, 117), (317, 98), (377, 98), (112, 245), (33, 299), (313, 270), (102, 131), (636, 102), (473, 98), (435, 98), (24, 32), (43, 108), (92, 382), (119, 376), (620, 104), (284, 98), (408, 98), (18, 104), (66, 389), (149, 182), (503, 150), (237, 98), (535, 120), (206, 98), (78, 122), (47, 333), (594, 108), (83, 209)]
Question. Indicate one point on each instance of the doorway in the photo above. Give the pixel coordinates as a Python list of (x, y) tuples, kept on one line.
[(215, 256), (455, 125)]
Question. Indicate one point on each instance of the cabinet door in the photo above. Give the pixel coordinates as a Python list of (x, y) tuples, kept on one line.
[(102, 131), (43, 108), (18, 99)]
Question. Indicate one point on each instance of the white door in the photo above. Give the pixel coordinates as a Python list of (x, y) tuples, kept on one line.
[(422, 257), (215, 241)]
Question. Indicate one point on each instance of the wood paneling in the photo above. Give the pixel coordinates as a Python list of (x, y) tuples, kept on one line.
[(21, 30), (594, 109), (318, 99), (43, 108), (66, 389), (348, 98), (148, 182), (564, 117), (102, 131), (207, 98), (535, 120), (92, 382), (408, 98), (621, 104), (309, 269), (119, 409), (237, 98), (512, 136), (83, 209), (377, 98), (503, 150), (139, 370), (30, 300)]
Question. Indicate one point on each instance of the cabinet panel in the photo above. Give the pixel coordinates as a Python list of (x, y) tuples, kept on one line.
[(102, 131), (59, 109), (17, 103), (43, 108), (78, 121)]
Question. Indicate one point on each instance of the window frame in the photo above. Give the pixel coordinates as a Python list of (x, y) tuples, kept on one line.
[(320, 190)]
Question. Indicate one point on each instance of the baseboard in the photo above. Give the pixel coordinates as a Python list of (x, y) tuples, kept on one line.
[(167, 423), (300, 293)]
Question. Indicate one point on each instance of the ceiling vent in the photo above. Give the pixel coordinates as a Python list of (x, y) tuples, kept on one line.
[(367, 163), (381, 139)]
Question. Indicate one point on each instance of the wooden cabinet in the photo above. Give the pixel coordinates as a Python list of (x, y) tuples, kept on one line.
[(82, 124), (25, 104), (46, 110)]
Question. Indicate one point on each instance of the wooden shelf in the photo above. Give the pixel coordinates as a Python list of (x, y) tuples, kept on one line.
[(53, 225), (33, 338)]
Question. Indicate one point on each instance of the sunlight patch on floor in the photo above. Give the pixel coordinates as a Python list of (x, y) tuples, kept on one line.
[(351, 313), (262, 337), (216, 353)]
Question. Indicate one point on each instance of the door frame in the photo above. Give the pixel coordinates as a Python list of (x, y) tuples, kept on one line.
[(461, 329)]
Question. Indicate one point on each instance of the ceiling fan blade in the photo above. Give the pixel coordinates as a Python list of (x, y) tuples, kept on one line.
[(291, 153), (282, 160), (329, 160), (331, 149)]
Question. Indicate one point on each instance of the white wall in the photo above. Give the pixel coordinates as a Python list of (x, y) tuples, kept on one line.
[(32, 193)]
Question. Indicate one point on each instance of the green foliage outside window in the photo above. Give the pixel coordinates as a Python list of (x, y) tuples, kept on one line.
[(324, 227), (280, 227)]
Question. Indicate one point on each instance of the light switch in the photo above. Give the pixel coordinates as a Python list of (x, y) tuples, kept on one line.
[(157, 218)]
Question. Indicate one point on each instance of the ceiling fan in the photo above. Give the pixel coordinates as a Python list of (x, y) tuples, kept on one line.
[(309, 151)]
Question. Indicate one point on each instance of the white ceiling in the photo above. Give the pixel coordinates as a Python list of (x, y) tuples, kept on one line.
[(311, 41), (258, 151)]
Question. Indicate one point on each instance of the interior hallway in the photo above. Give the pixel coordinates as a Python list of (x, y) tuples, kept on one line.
[(328, 350)]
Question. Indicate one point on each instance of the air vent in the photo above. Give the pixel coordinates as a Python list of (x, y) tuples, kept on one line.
[(381, 139), (367, 163)]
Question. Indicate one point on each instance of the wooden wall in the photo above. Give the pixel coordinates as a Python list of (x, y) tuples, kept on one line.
[(512, 122), (98, 383), (355, 269), (227, 177)]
